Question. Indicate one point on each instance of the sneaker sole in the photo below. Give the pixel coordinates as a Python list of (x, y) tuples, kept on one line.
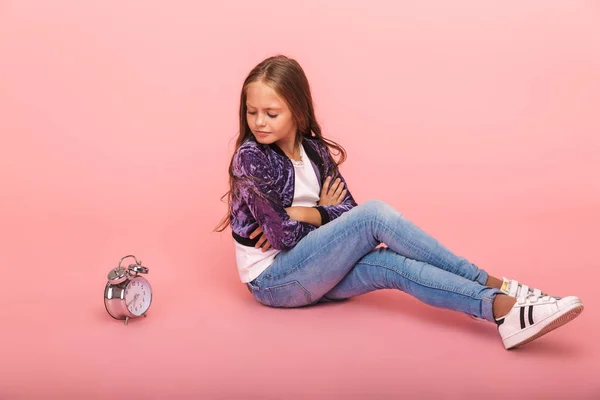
[(543, 327)]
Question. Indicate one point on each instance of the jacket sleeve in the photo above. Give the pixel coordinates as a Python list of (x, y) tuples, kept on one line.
[(256, 187), (329, 213)]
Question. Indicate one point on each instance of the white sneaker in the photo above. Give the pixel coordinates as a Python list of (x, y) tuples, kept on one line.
[(513, 288), (533, 316)]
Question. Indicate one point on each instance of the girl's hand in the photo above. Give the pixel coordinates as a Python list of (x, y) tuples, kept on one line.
[(332, 196), (261, 241)]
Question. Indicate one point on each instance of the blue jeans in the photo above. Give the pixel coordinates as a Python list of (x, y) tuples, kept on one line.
[(340, 260)]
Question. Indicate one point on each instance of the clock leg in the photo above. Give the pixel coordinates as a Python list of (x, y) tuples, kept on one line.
[(126, 320), (145, 315)]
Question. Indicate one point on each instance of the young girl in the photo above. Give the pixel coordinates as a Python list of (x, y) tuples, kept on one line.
[(301, 238)]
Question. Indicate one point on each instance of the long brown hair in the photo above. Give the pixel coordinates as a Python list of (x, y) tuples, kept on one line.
[(286, 77)]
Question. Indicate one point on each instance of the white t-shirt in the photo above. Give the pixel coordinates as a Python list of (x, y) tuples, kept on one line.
[(251, 262)]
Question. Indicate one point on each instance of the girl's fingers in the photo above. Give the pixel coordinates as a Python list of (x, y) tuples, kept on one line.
[(340, 198), (256, 232), (260, 241), (337, 182)]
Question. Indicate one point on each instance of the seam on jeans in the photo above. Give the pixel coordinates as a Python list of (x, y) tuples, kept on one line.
[(321, 249), (295, 283), (420, 281)]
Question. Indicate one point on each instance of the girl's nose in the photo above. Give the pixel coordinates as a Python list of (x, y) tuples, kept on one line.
[(260, 120)]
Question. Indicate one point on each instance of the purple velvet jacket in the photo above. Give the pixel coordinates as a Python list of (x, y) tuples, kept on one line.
[(265, 187)]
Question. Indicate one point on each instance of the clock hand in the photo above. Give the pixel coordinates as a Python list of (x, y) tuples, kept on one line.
[(135, 297)]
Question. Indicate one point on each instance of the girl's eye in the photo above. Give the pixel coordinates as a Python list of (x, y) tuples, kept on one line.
[(270, 115)]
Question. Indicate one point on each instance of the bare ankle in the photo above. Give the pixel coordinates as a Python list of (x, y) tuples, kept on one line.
[(502, 305), (493, 282)]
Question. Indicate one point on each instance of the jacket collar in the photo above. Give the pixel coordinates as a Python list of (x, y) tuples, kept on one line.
[(310, 152)]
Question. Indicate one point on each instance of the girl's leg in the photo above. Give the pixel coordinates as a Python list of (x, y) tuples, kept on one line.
[(519, 321), (386, 269), (412, 242), (409, 240), (304, 274)]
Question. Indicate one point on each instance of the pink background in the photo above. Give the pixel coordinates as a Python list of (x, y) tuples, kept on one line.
[(478, 120)]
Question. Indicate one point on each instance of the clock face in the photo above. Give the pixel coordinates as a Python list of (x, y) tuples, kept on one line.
[(138, 295)]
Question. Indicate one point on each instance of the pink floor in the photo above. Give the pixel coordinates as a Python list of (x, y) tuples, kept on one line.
[(478, 120), (205, 337)]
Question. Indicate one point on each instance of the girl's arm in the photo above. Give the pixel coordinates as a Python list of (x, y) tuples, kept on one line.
[(255, 186), (329, 213), (310, 215)]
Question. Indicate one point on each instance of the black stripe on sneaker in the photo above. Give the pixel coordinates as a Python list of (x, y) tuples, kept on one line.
[(530, 315), (522, 317)]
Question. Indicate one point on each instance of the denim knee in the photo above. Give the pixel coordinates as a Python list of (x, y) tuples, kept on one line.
[(375, 209)]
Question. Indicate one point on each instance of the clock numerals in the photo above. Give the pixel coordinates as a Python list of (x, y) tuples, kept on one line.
[(137, 297)]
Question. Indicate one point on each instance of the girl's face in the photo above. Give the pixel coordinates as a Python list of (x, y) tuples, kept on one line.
[(268, 116)]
